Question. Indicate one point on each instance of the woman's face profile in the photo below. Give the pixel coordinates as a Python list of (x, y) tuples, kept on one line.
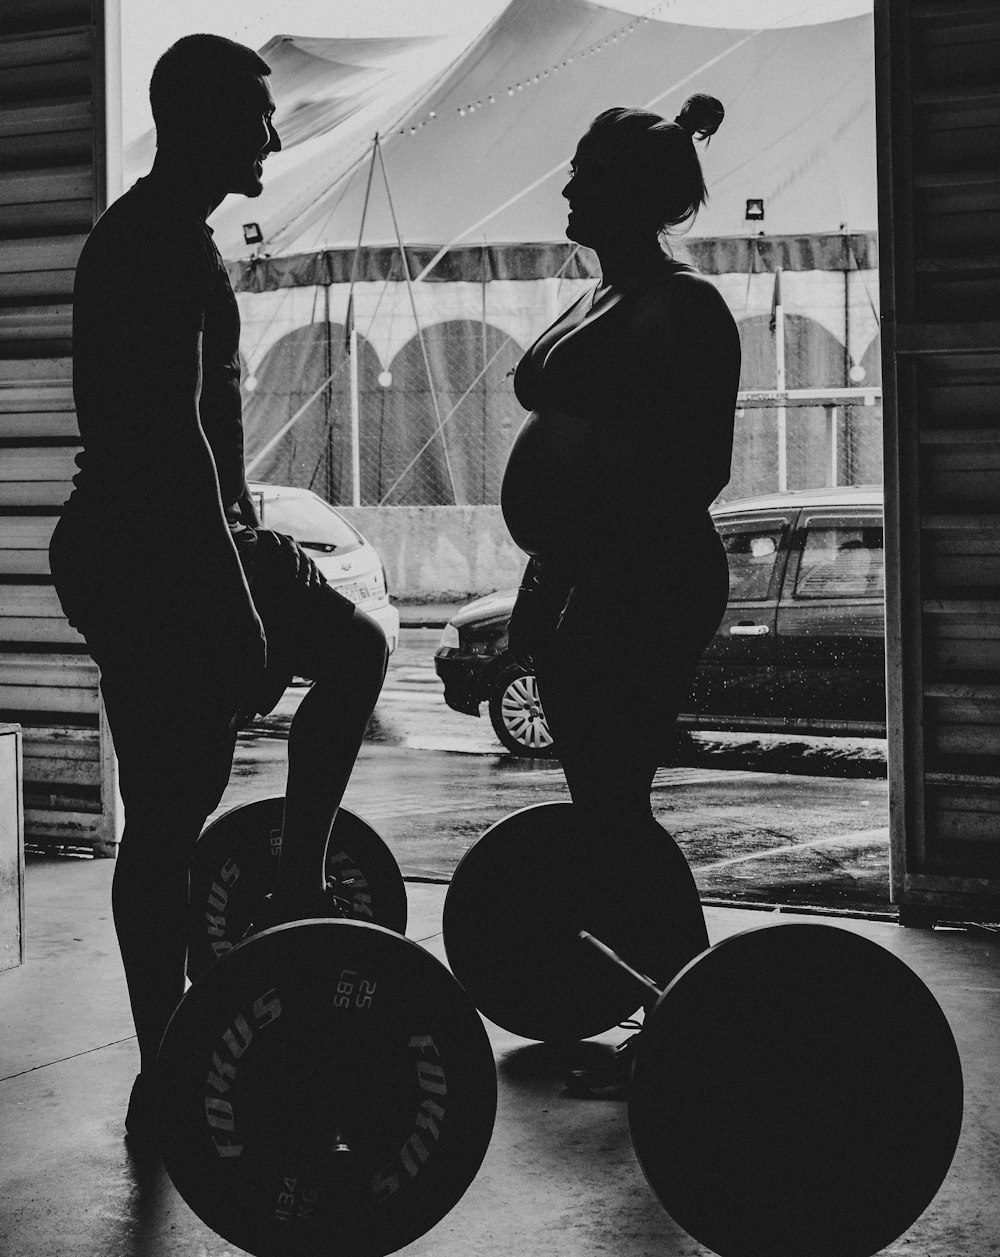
[(604, 193), (594, 192)]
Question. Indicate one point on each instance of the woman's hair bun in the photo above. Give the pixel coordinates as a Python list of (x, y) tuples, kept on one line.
[(700, 116)]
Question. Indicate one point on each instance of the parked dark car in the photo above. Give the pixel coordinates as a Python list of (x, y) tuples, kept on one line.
[(801, 647)]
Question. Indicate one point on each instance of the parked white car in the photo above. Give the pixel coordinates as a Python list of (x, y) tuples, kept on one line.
[(344, 556)]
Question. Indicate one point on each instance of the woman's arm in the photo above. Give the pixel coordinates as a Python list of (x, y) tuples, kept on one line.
[(685, 369)]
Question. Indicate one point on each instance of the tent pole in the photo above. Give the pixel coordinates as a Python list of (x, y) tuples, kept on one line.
[(485, 408), (331, 371), (330, 494), (420, 331), (352, 343)]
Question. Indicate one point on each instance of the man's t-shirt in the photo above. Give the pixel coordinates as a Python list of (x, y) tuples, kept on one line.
[(149, 277), (143, 557)]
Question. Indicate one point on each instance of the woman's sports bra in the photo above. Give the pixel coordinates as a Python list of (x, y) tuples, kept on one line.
[(580, 364)]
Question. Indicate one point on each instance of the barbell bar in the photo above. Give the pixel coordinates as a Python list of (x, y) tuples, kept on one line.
[(794, 1089), (519, 897)]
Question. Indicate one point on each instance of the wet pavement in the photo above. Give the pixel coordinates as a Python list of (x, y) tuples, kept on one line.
[(560, 1177), (762, 819)]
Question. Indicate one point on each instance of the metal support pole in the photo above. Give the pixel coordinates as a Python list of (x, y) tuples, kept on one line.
[(779, 355)]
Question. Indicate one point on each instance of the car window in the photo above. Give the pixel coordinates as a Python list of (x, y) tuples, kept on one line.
[(752, 549), (841, 561), (310, 521)]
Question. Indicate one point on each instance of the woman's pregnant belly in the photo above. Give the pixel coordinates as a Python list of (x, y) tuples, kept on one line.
[(528, 492), (556, 474)]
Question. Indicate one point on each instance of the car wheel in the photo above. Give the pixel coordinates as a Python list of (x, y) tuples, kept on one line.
[(517, 715)]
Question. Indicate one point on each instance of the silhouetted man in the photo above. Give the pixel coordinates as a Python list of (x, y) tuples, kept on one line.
[(195, 614)]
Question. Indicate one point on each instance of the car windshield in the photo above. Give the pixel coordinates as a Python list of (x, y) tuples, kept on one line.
[(311, 522)]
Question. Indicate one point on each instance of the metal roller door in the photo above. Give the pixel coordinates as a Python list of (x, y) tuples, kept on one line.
[(52, 138), (939, 224)]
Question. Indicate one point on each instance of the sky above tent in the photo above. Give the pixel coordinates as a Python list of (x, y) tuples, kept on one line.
[(147, 29)]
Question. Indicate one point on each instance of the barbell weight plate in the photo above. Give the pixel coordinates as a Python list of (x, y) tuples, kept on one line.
[(519, 898), (235, 864), (797, 1089), (326, 1087)]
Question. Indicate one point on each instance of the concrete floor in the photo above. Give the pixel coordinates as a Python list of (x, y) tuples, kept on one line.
[(560, 1176)]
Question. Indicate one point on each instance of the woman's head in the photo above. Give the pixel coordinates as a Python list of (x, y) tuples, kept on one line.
[(636, 173)]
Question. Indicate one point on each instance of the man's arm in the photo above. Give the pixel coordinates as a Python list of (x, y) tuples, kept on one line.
[(201, 564), (248, 509)]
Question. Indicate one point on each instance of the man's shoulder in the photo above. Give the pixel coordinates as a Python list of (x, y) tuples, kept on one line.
[(141, 220), (140, 241)]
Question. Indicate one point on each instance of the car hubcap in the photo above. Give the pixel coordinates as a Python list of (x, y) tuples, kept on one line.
[(522, 714)]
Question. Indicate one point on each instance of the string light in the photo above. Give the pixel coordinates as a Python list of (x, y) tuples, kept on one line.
[(598, 46)]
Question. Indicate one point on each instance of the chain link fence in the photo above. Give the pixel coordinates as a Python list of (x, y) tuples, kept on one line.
[(805, 447), (432, 431), (435, 426)]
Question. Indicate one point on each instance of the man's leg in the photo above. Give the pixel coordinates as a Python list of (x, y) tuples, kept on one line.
[(149, 900), (175, 756), (347, 664)]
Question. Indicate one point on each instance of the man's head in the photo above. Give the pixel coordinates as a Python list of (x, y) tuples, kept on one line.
[(212, 104)]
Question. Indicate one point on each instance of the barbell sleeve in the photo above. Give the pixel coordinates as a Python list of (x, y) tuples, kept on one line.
[(613, 956)]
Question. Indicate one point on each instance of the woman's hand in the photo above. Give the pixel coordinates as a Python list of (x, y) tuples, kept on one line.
[(535, 616), (529, 629)]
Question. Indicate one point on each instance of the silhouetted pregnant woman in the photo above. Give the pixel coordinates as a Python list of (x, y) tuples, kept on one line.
[(632, 394)]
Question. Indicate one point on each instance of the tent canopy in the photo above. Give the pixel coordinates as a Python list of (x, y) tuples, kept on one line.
[(478, 152)]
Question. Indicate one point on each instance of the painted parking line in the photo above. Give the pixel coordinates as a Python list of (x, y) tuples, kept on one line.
[(408, 805), (417, 804), (413, 696), (667, 777), (858, 838)]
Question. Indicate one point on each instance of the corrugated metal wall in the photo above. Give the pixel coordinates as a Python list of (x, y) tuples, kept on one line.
[(939, 171), (51, 190)]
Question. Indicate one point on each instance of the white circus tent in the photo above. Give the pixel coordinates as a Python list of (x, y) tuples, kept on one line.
[(448, 233)]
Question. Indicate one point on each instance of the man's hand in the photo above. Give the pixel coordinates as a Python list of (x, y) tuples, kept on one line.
[(280, 556)]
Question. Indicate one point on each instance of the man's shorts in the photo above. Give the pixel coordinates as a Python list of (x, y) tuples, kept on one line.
[(173, 737), (304, 622)]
